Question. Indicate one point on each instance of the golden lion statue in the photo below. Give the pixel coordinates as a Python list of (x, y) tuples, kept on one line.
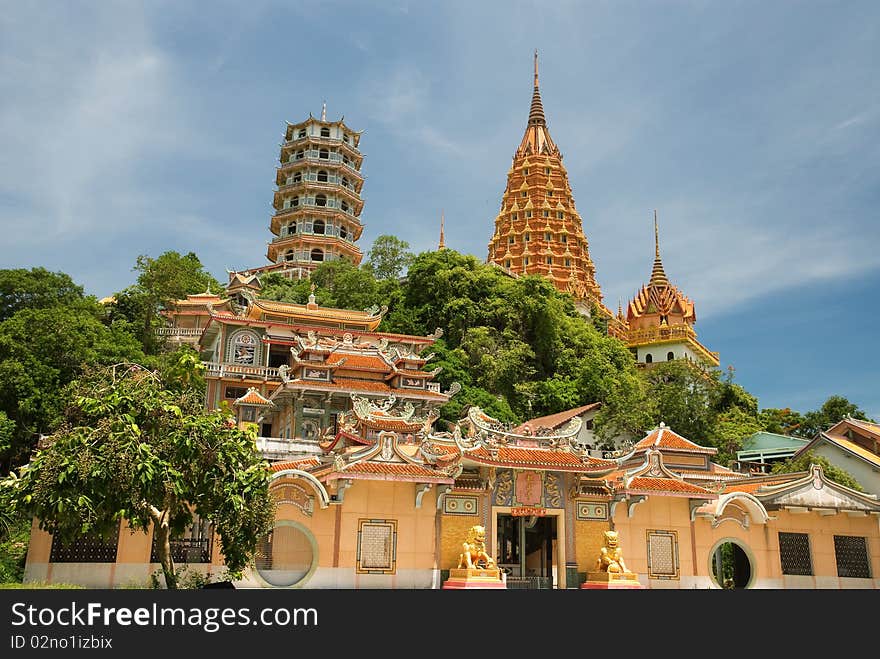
[(610, 556), (474, 550)]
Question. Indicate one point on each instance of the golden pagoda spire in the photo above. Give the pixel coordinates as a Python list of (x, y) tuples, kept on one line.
[(536, 112), (658, 275), (442, 244)]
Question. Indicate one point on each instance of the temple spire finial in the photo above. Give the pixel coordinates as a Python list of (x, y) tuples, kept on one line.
[(442, 244), (324, 111), (536, 112), (656, 237), (658, 275), (536, 68)]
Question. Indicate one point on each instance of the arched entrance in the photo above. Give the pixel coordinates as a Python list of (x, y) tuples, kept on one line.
[(731, 565)]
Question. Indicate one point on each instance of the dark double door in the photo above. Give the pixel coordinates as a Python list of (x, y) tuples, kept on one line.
[(526, 550)]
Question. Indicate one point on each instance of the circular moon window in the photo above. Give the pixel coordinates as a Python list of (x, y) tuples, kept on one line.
[(287, 555)]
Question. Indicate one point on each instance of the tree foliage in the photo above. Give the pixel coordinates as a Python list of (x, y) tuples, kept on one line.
[(170, 276), (389, 257), (138, 445), (36, 288), (832, 411), (803, 461)]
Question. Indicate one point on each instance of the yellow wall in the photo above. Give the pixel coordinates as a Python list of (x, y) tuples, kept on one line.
[(453, 534), (761, 541), (589, 538)]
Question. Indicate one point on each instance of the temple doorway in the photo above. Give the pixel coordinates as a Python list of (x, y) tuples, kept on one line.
[(527, 551)]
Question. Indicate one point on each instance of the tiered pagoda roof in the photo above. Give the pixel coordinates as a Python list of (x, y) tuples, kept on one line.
[(538, 229)]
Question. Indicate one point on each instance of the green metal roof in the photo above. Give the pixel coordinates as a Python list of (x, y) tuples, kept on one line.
[(762, 441)]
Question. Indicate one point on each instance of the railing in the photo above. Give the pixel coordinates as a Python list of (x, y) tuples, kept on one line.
[(332, 183), (180, 331), (529, 583), (216, 369), (315, 159), (330, 205), (276, 448), (330, 232), (666, 332)]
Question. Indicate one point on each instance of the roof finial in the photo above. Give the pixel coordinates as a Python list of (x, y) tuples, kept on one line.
[(658, 275), (536, 67), (536, 112), (656, 237), (324, 111), (442, 244)]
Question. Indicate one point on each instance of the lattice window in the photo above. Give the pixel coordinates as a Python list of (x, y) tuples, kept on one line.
[(245, 349), (377, 546), (88, 549), (794, 553), (663, 554), (852, 556)]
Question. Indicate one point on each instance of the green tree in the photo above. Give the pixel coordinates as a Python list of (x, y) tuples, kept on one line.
[(784, 421), (170, 276), (731, 427), (36, 288), (41, 351), (138, 445), (389, 257), (683, 394), (833, 410), (803, 461)]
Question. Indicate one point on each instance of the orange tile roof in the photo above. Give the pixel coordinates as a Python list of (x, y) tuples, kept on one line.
[(555, 420), (392, 424), (665, 438), (650, 484), (404, 371), (538, 458), (306, 463), (367, 385), (393, 469), (360, 362), (708, 475)]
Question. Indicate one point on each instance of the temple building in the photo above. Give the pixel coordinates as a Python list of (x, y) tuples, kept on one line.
[(659, 320), (317, 199), (538, 229), (383, 499)]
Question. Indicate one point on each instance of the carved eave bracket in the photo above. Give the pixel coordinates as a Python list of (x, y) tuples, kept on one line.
[(421, 490)]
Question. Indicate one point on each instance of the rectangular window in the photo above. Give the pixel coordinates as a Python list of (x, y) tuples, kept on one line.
[(549, 193), (86, 549), (564, 238), (851, 553), (526, 260), (514, 216), (567, 263), (549, 260), (546, 213), (377, 546), (526, 171), (234, 392), (794, 553), (528, 213), (528, 237), (663, 554), (547, 170), (560, 214), (510, 240), (507, 263), (548, 236), (248, 413), (525, 193)]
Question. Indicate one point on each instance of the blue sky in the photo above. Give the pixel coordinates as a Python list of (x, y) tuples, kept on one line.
[(752, 127)]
